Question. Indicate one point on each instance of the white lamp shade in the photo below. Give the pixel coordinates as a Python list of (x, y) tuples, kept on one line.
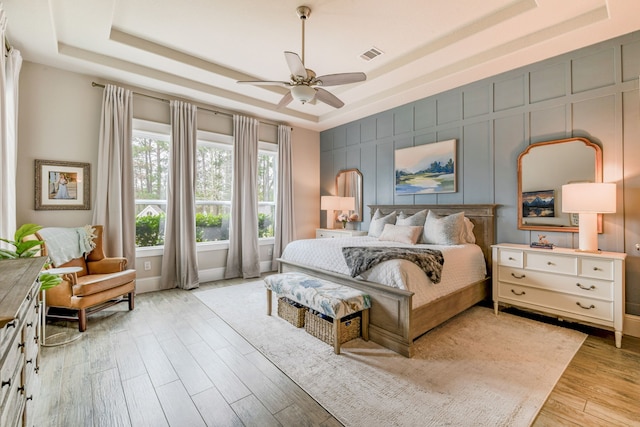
[(330, 203), (303, 93), (347, 203), (589, 197)]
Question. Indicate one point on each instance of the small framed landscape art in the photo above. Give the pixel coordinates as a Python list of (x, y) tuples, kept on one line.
[(538, 203), (62, 185), (426, 169)]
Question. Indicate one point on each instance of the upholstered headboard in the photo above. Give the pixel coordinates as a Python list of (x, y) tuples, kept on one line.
[(482, 217)]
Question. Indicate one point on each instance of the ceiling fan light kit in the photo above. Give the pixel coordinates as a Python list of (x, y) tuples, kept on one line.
[(303, 84)]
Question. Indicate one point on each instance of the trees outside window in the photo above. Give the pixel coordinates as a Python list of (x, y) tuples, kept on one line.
[(214, 175)]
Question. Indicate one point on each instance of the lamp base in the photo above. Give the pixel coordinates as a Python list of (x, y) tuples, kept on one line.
[(589, 251), (588, 232)]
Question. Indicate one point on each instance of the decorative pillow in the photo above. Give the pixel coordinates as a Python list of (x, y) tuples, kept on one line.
[(467, 232), (401, 233), (417, 219), (378, 222), (443, 230)]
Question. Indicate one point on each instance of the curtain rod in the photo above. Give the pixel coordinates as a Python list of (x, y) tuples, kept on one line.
[(94, 84)]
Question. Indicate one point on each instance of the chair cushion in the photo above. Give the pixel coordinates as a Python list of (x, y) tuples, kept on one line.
[(94, 283)]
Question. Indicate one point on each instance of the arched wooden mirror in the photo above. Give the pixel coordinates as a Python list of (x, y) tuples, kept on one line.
[(542, 170), (349, 184)]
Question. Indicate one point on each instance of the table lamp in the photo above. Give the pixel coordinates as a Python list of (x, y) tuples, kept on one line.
[(588, 199), (330, 204)]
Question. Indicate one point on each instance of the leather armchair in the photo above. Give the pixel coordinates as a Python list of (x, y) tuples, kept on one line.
[(101, 282)]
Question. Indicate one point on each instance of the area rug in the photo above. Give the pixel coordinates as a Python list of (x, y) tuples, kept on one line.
[(477, 369)]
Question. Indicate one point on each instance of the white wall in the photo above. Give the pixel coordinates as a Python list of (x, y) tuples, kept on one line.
[(60, 120)]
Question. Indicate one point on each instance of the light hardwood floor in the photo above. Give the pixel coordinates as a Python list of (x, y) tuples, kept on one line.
[(173, 362)]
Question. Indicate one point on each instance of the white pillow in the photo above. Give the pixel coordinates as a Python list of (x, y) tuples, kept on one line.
[(378, 222), (401, 233), (419, 218), (443, 230)]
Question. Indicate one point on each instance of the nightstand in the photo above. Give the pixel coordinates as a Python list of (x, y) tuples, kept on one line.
[(584, 287), (326, 233)]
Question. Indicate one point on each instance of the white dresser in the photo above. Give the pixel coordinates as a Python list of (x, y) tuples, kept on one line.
[(583, 287), (327, 233), (19, 341)]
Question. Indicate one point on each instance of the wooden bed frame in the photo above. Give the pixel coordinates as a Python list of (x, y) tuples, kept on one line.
[(392, 322)]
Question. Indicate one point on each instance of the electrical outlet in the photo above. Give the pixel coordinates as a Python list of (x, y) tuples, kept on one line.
[(270, 251), (638, 247), (147, 265)]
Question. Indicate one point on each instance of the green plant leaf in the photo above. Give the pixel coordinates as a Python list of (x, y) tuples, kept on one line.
[(48, 280), (26, 230)]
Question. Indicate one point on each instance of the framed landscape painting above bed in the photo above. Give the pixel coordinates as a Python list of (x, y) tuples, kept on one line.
[(426, 169)]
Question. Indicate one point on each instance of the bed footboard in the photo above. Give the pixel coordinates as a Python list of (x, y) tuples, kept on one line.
[(390, 314)]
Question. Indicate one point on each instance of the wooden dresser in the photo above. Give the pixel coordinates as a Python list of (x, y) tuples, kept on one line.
[(19, 340), (583, 287)]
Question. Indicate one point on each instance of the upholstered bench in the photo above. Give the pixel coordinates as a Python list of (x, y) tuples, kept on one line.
[(331, 299)]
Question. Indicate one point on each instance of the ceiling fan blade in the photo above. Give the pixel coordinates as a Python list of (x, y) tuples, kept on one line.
[(340, 79), (295, 65), (266, 83), (328, 98), (285, 100)]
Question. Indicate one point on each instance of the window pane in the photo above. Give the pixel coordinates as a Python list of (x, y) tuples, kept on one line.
[(150, 170), (266, 193), (213, 191)]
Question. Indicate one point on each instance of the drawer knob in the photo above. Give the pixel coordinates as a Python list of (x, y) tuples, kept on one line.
[(511, 258), (597, 269), (586, 308), (522, 276), (20, 345), (550, 263), (518, 294), (590, 288), (30, 397), (11, 324), (29, 361), (4, 383), (20, 389), (30, 324)]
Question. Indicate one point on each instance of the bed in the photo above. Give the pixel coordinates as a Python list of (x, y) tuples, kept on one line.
[(395, 319)]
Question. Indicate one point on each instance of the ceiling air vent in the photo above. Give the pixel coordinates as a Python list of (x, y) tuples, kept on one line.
[(371, 53)]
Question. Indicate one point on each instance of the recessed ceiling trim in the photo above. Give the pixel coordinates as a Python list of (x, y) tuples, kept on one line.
[(457, 34), (141, 70), (183, 58), (521, 44)]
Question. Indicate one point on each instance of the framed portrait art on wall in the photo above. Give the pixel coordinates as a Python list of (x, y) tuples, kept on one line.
[(62, 185)]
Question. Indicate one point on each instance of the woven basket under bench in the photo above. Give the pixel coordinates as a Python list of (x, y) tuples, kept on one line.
[(321, 327), (291, 311)]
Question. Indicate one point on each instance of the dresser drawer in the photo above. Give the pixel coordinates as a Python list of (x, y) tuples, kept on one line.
[(12, 360), (596, 268), (581, 286), (12, 409), (598, 311), (551, 263), (511, 258)]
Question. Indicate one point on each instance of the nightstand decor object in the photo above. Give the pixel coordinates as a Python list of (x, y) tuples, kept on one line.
[(588, 199)]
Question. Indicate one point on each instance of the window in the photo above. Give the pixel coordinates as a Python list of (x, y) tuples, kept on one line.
[(150, 171), (214, 176), (267, 173)]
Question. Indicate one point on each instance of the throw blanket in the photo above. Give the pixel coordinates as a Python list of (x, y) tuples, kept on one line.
[(362, 258), (65, 244)]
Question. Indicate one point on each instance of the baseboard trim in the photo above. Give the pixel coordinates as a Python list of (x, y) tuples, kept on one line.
[(632, 325), (152, 284)]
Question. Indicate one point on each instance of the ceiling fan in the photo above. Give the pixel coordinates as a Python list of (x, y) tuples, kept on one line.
[(304, 85)]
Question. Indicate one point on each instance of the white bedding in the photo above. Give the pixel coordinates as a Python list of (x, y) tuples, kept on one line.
[(463, 265)]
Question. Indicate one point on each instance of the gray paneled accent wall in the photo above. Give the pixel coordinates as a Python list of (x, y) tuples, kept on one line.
[(591, 92)]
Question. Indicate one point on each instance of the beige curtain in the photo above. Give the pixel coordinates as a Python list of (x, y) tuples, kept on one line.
[(10, 64), (284, 225), (243, 259), (180, 259), (114, 201)]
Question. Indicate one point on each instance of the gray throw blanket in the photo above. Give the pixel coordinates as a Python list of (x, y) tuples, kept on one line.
[(362, 258)]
